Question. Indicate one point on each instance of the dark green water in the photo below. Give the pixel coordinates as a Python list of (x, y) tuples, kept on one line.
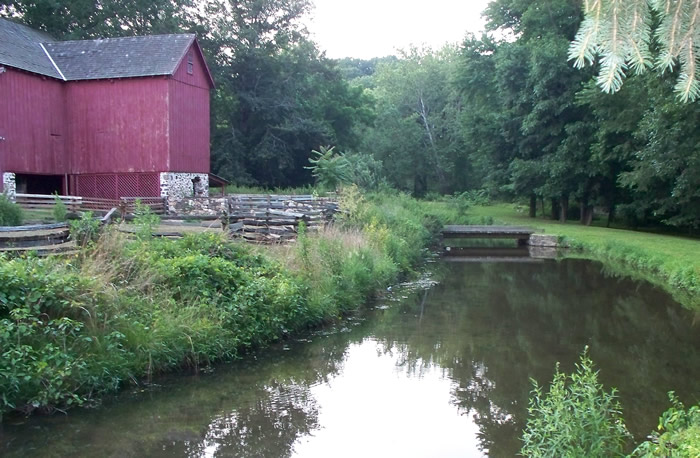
[(436, 372)]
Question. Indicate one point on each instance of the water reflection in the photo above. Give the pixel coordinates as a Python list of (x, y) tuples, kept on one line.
[(440, 372)]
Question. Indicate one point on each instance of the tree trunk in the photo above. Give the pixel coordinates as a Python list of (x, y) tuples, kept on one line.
[(423, 113), (563, 208), (420, 185), (611, 215), (586, 214), (533, 206), (555, 209)]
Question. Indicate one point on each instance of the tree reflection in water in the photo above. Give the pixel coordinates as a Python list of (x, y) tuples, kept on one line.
[(493, 326), (480, 335)]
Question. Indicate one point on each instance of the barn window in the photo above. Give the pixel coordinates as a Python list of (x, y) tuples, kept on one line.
[(190, 63)]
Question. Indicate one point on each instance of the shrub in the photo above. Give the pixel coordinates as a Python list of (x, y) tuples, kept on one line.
[(84, 230), (10, 212), (145, 220), (576, 418), (59, 209), (681, 433)]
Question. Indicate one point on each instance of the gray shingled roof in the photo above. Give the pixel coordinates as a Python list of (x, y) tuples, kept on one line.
[(20, 47), (119, 57)]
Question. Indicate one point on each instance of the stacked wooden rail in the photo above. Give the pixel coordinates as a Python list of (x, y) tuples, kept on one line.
[(75, 203), (275, 218), (43, 239)]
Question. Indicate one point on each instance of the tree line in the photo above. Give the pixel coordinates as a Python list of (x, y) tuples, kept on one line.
[(504, 113), (507, 112)]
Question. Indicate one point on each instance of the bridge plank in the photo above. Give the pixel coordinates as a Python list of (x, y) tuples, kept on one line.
[(455, 231)]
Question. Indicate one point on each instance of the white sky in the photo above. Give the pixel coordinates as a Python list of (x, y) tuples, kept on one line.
[(375, 28)]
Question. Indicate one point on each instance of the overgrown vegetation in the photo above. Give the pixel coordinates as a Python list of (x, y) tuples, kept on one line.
[(678, 435), (84, 230), (127, 308), (575, 418), (10, 212)]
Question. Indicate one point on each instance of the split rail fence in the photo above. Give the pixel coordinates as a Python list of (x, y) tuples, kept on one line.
[(74, 203), (275, 218)]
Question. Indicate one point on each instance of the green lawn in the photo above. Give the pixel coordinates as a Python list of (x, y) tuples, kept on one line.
[(670, 261)]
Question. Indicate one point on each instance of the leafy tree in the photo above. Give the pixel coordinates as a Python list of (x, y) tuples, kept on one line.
[(620, 33), (524, 133), (277, 96), (78, 19), (416, 130)]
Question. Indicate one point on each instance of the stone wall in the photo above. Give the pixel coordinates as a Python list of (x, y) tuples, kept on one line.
[(198, 206), (9, 185), (183, 185)]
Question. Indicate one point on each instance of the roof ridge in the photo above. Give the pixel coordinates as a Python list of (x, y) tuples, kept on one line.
[(124, 38)]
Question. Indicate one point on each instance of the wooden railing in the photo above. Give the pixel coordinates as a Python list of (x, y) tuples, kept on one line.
[(75, 203)]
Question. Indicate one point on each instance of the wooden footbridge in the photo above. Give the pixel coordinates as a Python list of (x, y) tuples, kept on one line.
[(521, 234)]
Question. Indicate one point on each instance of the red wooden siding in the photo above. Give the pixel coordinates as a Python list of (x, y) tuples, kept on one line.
[(189, 116), (32, 124), (118, 126)]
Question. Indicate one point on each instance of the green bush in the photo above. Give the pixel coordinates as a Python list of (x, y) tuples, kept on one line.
[(576, 418), (145, 220), (59, 209), (10, 212), (85, 230), (680, 433)]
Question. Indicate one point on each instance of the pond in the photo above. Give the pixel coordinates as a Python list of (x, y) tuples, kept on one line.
[(429, 370)]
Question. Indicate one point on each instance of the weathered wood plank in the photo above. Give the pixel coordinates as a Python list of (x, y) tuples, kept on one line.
[(455, 231)]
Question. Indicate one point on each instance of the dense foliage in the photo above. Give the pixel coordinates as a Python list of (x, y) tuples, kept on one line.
[(125, 309)]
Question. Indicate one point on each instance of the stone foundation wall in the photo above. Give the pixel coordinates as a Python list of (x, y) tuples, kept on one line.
[(542, 240), (9, 185), (181, 185)]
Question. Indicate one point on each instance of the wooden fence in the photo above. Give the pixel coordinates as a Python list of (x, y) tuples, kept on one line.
[(75, 203)]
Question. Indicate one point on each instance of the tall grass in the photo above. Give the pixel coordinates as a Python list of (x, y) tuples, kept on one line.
[(125, 309)]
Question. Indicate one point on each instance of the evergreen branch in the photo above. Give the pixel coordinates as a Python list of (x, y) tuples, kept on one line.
[(619, 32)]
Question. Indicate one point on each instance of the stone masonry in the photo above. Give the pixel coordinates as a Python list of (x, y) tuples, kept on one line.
[(182, 185), (9, 185)]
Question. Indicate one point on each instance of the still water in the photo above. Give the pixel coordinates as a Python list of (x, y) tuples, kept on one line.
[(432, 370)]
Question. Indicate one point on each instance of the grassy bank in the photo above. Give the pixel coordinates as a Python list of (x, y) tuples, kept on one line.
[(74, 328), (671, 262)]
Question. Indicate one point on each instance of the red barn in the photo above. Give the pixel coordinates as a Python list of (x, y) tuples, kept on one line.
[(110, 118)]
